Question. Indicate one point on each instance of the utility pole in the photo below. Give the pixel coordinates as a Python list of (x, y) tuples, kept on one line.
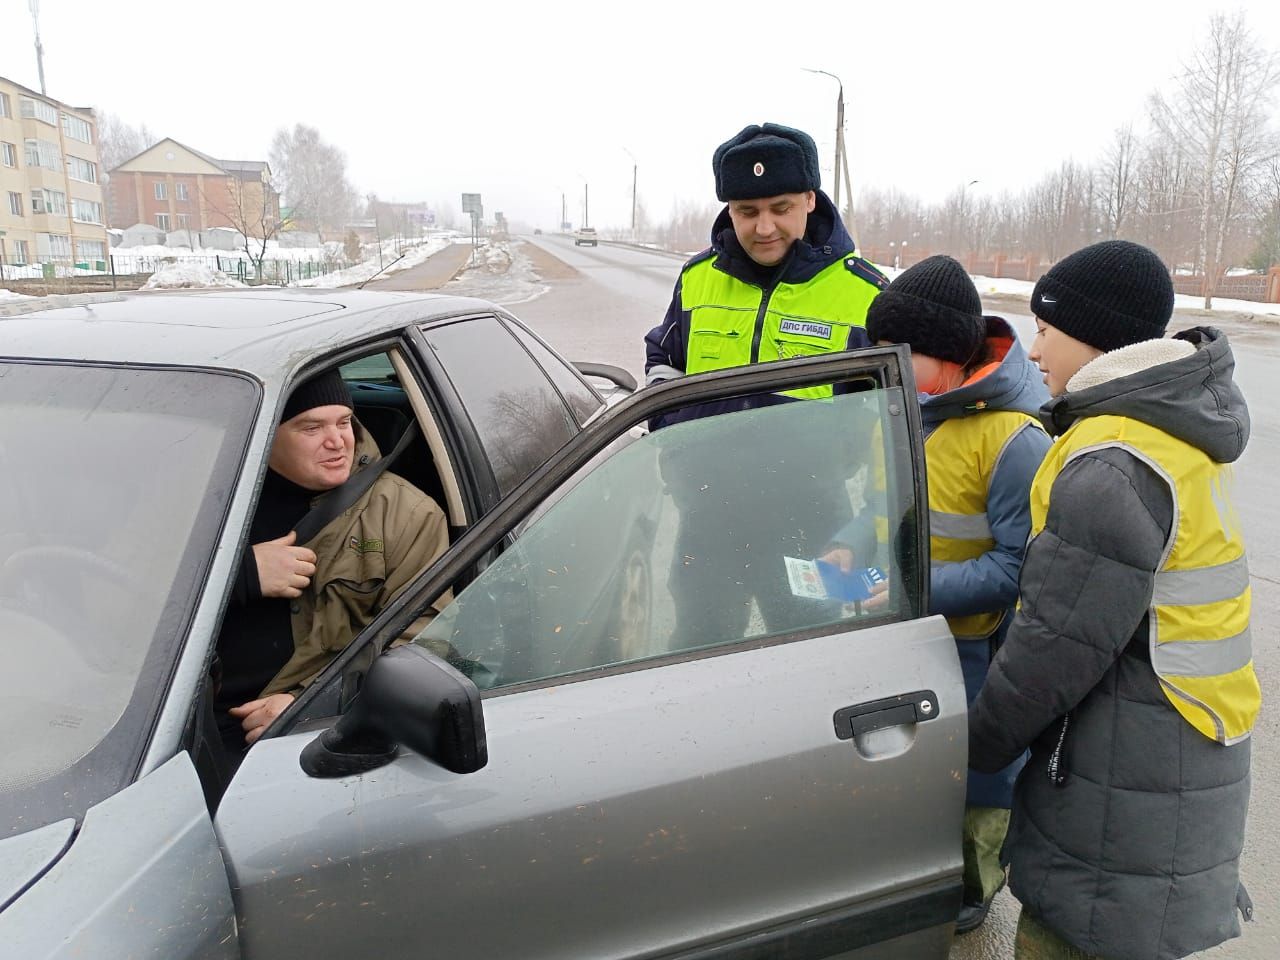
[(34, 7), (586, 209), (564, 212)]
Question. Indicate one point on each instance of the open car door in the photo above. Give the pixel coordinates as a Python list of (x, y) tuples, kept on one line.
[(700, 742)]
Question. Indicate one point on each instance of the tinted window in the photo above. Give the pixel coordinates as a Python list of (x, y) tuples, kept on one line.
[(733, 511), (515, 409), (114, 486), (581, 398)]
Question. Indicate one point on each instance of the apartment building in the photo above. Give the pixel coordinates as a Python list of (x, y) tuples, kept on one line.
[(174, 187), (51, 200)]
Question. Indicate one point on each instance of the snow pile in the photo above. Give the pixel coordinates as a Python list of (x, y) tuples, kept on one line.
[(499, 272), (182, 276), (10, 295)]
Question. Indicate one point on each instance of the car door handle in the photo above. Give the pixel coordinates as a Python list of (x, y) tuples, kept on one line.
[(892, 711)]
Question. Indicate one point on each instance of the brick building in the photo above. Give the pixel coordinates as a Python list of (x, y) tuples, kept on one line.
[(173, 187)]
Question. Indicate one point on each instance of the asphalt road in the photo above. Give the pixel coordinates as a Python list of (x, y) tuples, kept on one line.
[(601, 302)]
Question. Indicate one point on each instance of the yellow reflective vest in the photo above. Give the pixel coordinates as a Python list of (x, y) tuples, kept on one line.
[(961, 456), (733, 323), (1200, 645)]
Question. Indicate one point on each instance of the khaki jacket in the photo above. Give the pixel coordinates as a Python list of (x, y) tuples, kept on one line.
[(363, 559)]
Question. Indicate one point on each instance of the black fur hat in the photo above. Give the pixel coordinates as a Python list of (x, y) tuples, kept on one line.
[(934, 308), (765, 161)]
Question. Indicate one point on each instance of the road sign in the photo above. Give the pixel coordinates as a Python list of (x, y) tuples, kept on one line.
[(471, 203)]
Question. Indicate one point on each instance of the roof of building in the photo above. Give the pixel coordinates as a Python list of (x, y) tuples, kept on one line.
[(45, 96), (233, 167)]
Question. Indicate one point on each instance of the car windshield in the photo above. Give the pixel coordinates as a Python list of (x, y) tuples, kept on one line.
[(114, 486)]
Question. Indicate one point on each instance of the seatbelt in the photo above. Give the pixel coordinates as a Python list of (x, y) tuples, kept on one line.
[(333, 504)]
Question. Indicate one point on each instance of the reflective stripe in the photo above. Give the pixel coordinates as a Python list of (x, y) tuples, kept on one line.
[(660, 372), (959, 526), (1204, 658), (1186, 588)]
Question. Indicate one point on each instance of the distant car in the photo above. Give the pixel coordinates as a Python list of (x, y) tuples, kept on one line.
[(585, 236), (537, 231), (554, 767)]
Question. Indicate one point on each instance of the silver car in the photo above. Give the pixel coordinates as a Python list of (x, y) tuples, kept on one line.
[(563, 764)]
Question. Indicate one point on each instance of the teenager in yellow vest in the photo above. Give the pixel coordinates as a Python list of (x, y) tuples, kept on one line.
[(979, 396), (1127, 670)]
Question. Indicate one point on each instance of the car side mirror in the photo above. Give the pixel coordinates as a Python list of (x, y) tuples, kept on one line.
[(411, 698), (607, 371)]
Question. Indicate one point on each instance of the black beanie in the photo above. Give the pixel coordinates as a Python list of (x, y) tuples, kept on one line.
[(327, 389), (765, 161), (1108, 295), (934, 308)]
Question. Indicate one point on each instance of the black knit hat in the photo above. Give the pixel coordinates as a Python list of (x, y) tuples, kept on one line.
[(764, 161), (1108, 295), (934, 308), (320, 391)]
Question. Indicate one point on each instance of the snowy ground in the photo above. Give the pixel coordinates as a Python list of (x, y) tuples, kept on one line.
[(993, 286), (10, 295), (185, 276), (371, 266)]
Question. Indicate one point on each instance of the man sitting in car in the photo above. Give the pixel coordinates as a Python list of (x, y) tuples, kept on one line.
[(296, 606)]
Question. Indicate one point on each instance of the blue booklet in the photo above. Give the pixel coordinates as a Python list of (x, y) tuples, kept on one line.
[(850, 587), (819, 580)]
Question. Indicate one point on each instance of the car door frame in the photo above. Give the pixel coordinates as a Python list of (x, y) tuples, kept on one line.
[(344, 672)]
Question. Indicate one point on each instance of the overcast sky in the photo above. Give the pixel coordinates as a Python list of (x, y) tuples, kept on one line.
[(524, 101)]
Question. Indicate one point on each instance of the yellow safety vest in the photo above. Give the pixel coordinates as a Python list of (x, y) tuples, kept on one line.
[(960, 457), (733, 323), (1200, 645)]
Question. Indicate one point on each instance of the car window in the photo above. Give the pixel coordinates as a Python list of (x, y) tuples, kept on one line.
[(517, 412), (582, 400), (113, 492), (698, 535)]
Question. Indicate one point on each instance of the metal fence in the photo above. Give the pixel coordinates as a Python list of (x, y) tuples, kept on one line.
[(123, 271)]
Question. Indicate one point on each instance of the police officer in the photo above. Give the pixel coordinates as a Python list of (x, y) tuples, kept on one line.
[(780, 280)]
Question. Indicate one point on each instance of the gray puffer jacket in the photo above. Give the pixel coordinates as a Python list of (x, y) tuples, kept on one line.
[(1127, 823)]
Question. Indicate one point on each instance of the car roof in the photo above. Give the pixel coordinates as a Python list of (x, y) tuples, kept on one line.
[(267, 333)]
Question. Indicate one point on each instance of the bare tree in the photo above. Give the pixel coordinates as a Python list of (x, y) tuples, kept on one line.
[(1119, 176), (119, 141), (313, 178), (251, 206), (1220, 112), (1267, 210)]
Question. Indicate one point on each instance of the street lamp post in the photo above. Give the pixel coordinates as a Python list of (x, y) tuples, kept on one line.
[(841, 161), (634, 168)]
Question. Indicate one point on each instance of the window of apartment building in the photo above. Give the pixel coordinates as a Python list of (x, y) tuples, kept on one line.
[(182, 191), (15, 203), (162, 221), (49, 201), (8, 154), (184, 221), (4, 106), (161, 193), (20, 252), (84, 170), (77, 129), (86, 211), (42, 153), (53, 245), (91, 249), (38, 110)]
